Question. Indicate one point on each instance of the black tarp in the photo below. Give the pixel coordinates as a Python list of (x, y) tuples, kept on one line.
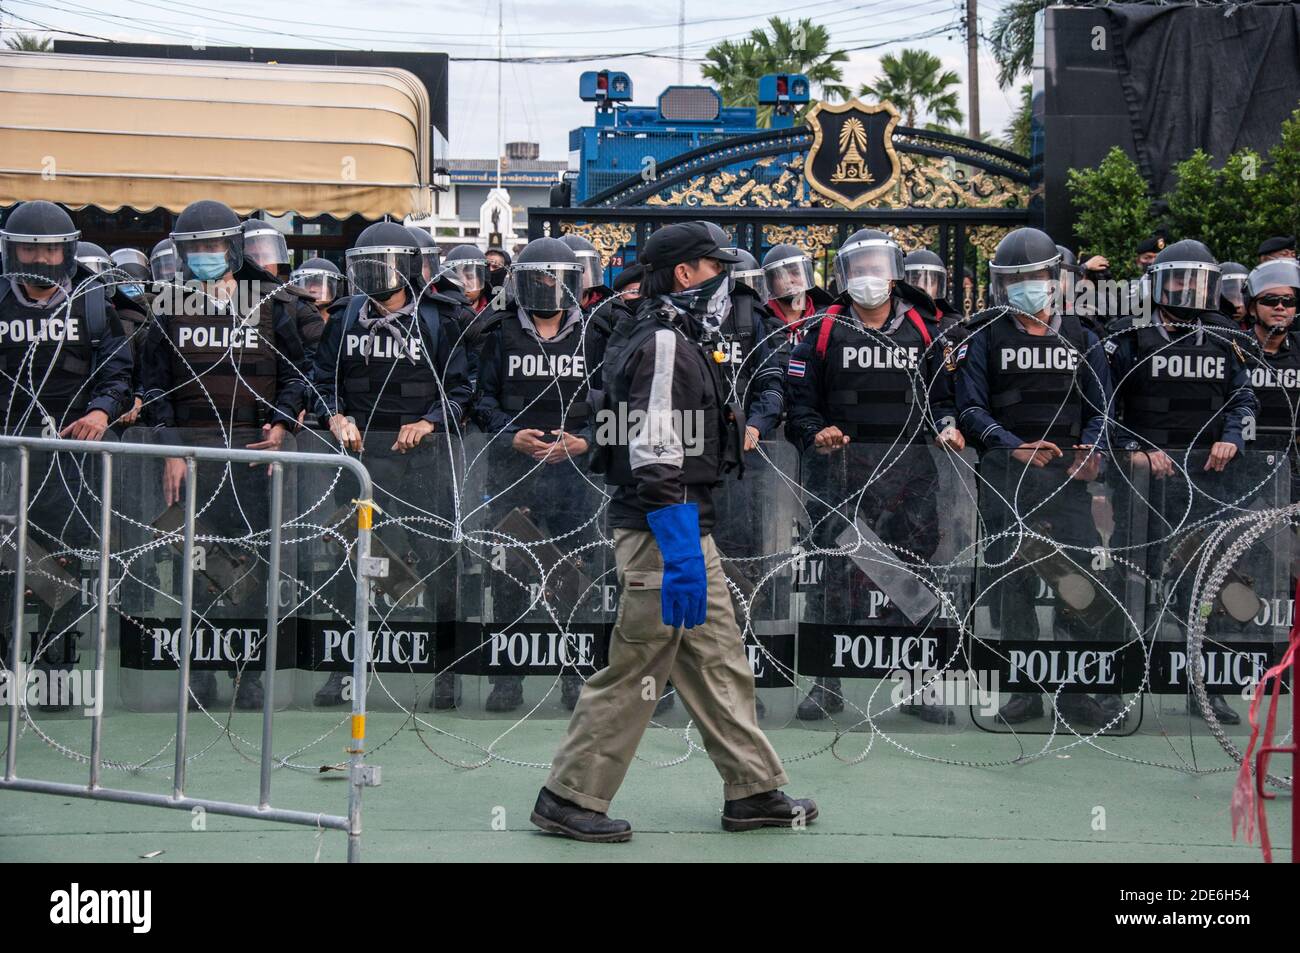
[(1215, 78)]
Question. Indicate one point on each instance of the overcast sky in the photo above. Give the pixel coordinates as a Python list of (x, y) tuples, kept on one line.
[(541, 101)]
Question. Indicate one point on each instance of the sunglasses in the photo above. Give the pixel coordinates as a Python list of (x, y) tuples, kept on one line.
[(1274, 301)]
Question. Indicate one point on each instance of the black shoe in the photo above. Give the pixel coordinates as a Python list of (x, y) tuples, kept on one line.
[(553, 813), (446, 691), (824, 699), (1223, 714), (760, 710), (203, 689), (769, 809), (507, 694), (1082, 711), (1021, 708), (665, 704), (249, 696), (934, 714), (570, 688), (331, 693)]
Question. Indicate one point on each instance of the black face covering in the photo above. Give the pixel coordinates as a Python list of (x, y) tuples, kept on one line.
[(496, 277)]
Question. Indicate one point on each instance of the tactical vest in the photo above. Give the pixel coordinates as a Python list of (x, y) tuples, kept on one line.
[(874, 383), (722, 424), (1276, 379), (381, 388), (1176, 390), (1034, 380), (736, 344), (223, 365), (544, 383), (49, 348)]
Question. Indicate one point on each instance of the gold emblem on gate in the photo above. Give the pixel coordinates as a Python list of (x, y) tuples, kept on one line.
[(852, 160)]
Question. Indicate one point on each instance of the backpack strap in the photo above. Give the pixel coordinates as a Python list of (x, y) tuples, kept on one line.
[(824, 330), (915, 317)]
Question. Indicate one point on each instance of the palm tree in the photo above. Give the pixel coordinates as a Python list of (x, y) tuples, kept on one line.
[(1016, 135), (784, 47), (1012, 38), (29, 44), (912, 81)]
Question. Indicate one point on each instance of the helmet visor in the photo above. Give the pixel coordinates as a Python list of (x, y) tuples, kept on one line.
[(1028, 288), (755, 279), (1186, 284), (379, 272), (932, 279), (547, 286), (266, 248), (321, 285), (593, 272), (874, 258), (195, 252), (469, 273), (162, 264), (1278, 273), (46, 262), (1234, 289), (789, 276)]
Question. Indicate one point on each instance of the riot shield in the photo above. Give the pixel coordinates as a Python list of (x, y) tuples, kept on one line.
[(231, 568), (1200, 522), (1058, 615), (412, 607), (61, 579), (886, 540), (536, 597)]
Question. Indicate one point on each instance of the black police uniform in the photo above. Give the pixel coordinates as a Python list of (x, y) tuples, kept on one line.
[(1275, 378), (1012, 388), (57, 363)]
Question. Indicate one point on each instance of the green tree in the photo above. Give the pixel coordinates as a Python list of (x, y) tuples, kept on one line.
[(1226, 208), (27, 43), (783, 47), (915, 82), (1016, 135), (1012, 38), (1113, 210), (1280, 191)]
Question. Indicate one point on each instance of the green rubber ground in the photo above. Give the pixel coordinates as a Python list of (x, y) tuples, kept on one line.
[(1089, 806)]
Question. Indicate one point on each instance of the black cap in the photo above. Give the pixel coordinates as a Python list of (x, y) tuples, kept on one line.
[(1276, 244), (632, 273), (680, 242), (1155, 243)]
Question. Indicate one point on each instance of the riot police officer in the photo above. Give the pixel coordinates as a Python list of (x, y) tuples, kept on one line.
[(430, 264), (1183, 394), (924, 270), (793, 293), (162, 261), (322, 281), (868, 381), (628, 285), (389, 377), (93, 258), (746, 271), (1270, 295), (265, 247), (661, 515), (65, 370), (131, 284), (535, 370), (224, 365), (1033, 392), (467, 266), (1232, 294)]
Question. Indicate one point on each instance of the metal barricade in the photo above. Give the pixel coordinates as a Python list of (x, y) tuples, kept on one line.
[(367, 568)]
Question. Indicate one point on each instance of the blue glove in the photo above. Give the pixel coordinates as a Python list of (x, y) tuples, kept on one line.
[(685, 593)]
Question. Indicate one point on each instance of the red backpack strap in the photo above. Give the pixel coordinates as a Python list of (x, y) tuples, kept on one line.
[(824, 330), (915, 317)]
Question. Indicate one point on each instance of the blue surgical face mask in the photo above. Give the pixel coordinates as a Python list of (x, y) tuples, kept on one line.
[(206, 265), (1031, 297)]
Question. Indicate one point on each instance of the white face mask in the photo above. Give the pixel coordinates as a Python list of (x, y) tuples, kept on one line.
[(869, 291)]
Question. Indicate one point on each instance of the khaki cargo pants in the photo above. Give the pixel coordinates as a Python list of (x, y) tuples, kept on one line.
[(708, 668)]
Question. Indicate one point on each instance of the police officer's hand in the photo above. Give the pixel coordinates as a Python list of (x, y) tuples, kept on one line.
[(830, 439), (173, 480), (1039, 453), (952, 438), (566, 445), (751, 438), (1160, 463), (89, 427), (346, 433), (132, 415), (1086, 465), (1220, 454), (530, 442), (272, 438), (409, 437)]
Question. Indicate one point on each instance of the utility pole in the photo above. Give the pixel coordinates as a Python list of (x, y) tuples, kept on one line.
[(681, 42), (500, 92), (973, 69)]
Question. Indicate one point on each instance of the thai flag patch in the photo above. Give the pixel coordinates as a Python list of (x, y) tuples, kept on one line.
[(796, 369)]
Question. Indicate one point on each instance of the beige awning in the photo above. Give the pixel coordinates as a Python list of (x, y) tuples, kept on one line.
[(116, 131)]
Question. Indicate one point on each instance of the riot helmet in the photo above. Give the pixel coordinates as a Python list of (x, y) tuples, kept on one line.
[(546, 277), (429, 263), (162, 261), (867, 265), (385, 259), (93, 258), (788, 272), (209, 241), (1271, 293), (593, 272), (746, 271), (1025, 272), (467, 266), (38, 245), (320, 278), (924, 270), (1185, 279), (264, 246)]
